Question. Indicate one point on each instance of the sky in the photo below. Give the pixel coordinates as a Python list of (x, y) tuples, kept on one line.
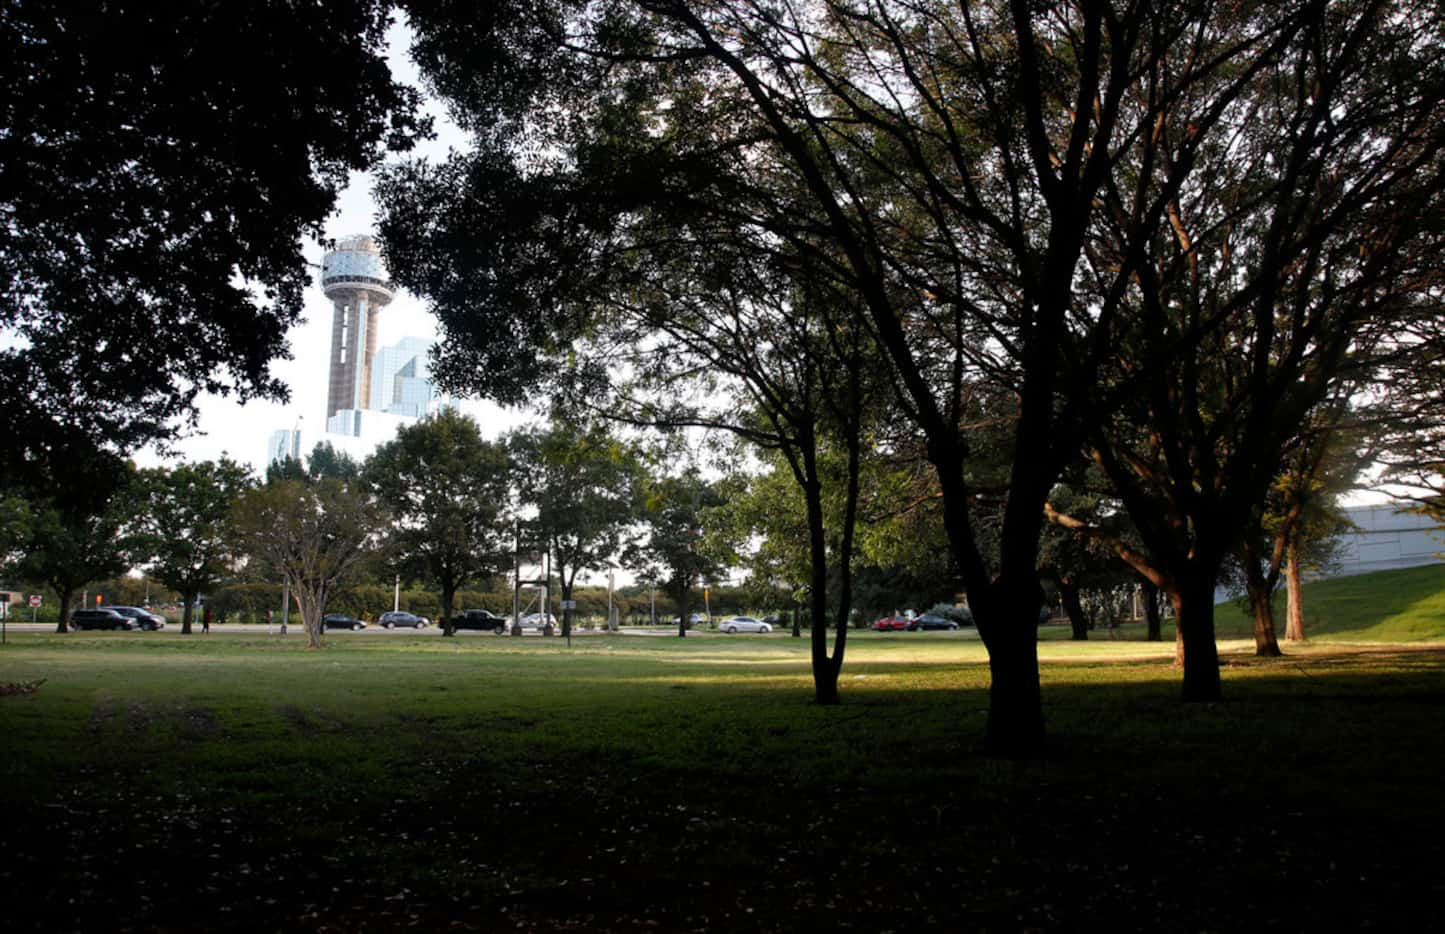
[(243, 432)]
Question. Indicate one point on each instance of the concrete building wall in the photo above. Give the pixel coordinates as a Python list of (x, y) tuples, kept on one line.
[(1389, 538)]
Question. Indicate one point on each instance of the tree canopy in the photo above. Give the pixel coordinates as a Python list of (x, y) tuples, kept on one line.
[(159, 167)]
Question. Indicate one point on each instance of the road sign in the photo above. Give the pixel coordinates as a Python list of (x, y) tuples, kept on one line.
[(35, 599), (569, 604)]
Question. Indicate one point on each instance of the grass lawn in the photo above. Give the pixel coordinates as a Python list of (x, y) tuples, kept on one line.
[(394, 781)]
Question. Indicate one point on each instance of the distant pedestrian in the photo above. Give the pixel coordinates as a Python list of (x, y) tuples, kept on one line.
[(206, 619), (270, 619)]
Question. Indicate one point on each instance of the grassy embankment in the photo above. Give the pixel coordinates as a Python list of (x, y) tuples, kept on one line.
[(157, 782)]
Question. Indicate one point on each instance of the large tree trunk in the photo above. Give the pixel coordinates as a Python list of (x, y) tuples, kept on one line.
[(449, 603), (682, 612), (1194, 610), (825, 668), (1074, 607), (1261, 608), (1008, 621), (1294, 630), (566, 600), (63, 619), (1151, 612), (1260, 588), (311, 610), (1015, 712), (188, 610)]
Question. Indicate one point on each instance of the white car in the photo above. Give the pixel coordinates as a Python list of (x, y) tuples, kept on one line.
[(744, 624), (539, 621)]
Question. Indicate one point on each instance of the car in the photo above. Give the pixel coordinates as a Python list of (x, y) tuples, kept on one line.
[(393, 618), (340, 621), (543, 621), (145, 619), (930, 621), (891, 624), (744, 624), (100, 619), (484, 620), (693, 619)]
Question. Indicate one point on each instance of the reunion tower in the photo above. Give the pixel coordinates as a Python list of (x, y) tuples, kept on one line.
[(353, 277)]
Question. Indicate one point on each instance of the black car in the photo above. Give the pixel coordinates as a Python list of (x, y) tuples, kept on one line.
[(930, 621), (100, 619), (340, 621), (484, 620), (145, 619)]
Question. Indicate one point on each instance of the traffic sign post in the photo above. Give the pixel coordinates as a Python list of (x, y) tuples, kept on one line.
[(34, 604)]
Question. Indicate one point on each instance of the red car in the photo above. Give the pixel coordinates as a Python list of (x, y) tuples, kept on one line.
[(891, 624)]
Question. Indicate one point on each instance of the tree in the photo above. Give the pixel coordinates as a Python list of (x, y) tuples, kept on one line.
[(585, 487), (155, 196), (1300, 517), (181, 527), (673, 553), (944, 165), (446, 491), (314, 534), (68, 529), (327, 461), (1301, 229)]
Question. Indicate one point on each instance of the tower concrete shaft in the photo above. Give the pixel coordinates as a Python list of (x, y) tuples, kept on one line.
[(353, 277)]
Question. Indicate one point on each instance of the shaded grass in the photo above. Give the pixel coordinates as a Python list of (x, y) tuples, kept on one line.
[(393, 781)]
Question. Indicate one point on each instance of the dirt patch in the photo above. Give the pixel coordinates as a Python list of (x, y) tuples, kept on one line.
[(309, 721), (102, 715), (197, 723)]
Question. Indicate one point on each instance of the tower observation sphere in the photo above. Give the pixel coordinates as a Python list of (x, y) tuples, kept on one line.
[(355, 280)]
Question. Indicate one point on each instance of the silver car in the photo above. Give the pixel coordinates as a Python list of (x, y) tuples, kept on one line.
[(744, 624)]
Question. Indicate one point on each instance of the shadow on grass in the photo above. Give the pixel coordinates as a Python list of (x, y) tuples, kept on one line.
[(381, 795)]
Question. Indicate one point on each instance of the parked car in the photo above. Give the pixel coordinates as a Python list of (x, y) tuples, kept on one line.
[(340, 621), (744, 624), (484, 620), (393, 618), (930, 621), (100, 619), (544, 621), (145, 619), (891, 623)]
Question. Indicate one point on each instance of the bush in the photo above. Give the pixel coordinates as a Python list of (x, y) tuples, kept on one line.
[(959, 614)]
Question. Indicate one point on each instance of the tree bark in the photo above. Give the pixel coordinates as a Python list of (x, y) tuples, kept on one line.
[(1008, 621), (1194, 609), (1015, 713), (797, 621), (682, 612), (1294, 630), (188, 610), (63, 618), (1151, 612), (1260, 587), (449, 604), (1074, 607), (1261, 607)]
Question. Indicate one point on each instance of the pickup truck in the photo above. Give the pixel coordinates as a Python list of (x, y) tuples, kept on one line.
[(479, 619)]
